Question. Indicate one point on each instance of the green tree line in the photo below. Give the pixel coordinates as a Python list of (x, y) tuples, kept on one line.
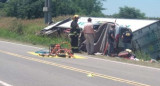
[(129, 12), (30, 9)]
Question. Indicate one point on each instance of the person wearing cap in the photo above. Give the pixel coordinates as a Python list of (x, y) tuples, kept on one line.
[(127, 38), (89, 36), (74, 33)]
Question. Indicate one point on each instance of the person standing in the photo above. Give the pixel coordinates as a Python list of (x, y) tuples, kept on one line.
[(74, 33), (89, 36), (127, 38), (111, 38)]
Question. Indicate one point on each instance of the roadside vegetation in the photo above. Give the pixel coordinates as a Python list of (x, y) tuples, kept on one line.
[(142, 56), (28, 31)]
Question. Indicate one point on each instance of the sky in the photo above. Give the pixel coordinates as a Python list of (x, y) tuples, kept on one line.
[(150, 7)]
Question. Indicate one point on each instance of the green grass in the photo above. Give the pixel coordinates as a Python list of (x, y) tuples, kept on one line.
[(8, 34), (34, 39), (142, 56), (27, 31)]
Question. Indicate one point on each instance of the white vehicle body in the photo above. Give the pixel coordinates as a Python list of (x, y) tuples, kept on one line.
[(146, 32)]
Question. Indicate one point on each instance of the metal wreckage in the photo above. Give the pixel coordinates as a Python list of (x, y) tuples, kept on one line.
[(146, 33)]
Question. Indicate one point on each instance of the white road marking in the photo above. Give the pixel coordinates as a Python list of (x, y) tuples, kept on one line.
[(92, 57), (126, 63), (122, 63), (4, 84), (21, 44)]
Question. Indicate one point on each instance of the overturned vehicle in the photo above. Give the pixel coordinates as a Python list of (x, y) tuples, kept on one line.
[(145, 33)]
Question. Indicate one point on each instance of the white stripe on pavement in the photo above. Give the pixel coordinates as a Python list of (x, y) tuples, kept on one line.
[(4, 84), (21, 44), (126, 63)]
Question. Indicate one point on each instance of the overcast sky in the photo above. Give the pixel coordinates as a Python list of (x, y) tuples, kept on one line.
[(150, 7)]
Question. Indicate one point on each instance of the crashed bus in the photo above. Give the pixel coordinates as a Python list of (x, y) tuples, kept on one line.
[(145, 33)]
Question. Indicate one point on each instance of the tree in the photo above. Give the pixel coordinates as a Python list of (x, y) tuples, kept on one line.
[(88, 7), (70, 7), (129, 12), (34, 8), (25, 8), (3, 1), (63, 7), (2, 12)]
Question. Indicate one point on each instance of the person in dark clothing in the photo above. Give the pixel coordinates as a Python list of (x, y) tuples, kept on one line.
[(74, 34), (127, 38), (111, 39)]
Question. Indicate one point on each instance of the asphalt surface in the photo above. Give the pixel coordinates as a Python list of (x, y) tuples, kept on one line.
[(19, 68)]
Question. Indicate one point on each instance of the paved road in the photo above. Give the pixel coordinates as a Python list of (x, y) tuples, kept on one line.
[(19, 68)]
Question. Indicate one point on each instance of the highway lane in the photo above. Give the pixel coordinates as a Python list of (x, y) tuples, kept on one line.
[(22, 69)]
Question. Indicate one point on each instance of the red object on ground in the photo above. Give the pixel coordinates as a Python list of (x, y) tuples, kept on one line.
[(124, 54), (57, 50)]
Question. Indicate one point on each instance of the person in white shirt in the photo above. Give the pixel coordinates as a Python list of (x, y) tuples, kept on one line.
[(89, 36)]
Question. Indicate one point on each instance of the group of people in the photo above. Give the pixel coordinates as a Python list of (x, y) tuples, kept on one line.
[(126, 39), (89, 35)]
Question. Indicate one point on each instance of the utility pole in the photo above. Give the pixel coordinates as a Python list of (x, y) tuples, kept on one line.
[(47, 12)]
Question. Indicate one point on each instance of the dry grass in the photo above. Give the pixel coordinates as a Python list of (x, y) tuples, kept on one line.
[(5, 22), (59, 18)]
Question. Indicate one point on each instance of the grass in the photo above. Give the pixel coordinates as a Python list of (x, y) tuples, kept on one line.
[(143, 56), (28, 30)]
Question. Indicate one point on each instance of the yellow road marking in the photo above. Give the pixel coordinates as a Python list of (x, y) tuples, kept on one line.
[(75, 56), (79, 57), (77, 69)]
